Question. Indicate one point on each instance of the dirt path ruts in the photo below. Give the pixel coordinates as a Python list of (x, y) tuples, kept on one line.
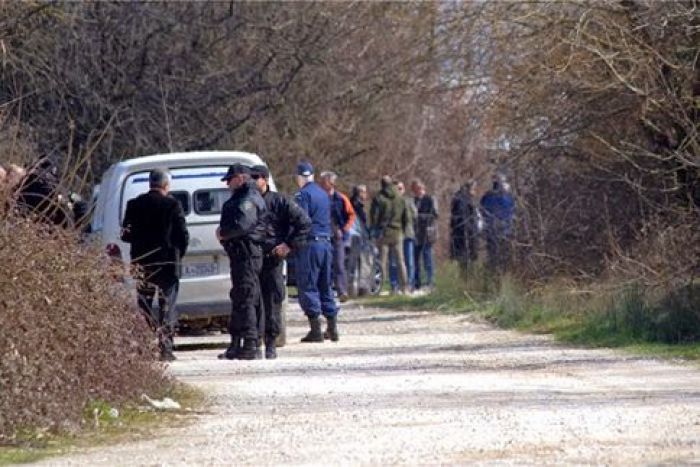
[(419, 387)]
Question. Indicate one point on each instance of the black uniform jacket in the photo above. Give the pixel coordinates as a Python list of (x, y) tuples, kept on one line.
[(289, 223), (155, 226), (244, 217)]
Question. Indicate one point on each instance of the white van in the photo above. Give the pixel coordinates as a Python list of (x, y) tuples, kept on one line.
[(196, 184)]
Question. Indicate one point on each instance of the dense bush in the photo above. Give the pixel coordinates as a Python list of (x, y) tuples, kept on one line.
[(69, 332)]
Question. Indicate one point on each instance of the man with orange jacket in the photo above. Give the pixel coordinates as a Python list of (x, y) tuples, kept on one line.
[(342, 220)]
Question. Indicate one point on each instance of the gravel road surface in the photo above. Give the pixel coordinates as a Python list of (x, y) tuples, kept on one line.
[(407, 387)]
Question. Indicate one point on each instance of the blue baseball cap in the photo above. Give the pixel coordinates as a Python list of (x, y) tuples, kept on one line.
[(305, 168)]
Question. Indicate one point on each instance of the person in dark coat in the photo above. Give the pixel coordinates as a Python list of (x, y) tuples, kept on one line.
[(242, 231), (358, 199), (154, 224), (426, 233), (38, 195), (464, 226), (289, 228)]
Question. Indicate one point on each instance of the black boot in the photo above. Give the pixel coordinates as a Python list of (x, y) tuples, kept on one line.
[(315, 334), (332, 328), (270, 348), (233, 349), (248, 350)]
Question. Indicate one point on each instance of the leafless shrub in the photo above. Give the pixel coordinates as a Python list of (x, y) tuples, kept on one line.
[(594, 109), (69, 334)]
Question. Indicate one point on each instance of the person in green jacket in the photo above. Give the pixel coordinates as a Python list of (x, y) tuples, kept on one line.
[(388, 217), (409, 242)]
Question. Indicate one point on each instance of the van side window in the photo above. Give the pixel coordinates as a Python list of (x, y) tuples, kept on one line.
[(210, 201), (183, 198)]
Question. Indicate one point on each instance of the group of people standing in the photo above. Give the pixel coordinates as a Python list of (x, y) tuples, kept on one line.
[(260, 228), (405, 230), (492, 218)]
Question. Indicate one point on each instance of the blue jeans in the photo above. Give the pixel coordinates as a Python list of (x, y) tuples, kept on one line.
[(424, 253), (409, 244)]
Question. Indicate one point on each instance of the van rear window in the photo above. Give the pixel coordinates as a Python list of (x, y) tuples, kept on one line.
[(210, 201), (183, 198)]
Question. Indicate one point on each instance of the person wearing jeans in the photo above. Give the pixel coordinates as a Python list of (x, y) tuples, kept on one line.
[(426, 233)]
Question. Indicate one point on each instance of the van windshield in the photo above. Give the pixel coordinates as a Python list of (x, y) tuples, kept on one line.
[(210, 201)]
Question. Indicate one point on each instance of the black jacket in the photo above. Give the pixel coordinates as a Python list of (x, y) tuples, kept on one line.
[(244, 217), (38, 196), (289, 223), (426, 220), (155, 226)]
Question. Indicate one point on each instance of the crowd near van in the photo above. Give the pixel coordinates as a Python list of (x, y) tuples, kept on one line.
[(196, 183)]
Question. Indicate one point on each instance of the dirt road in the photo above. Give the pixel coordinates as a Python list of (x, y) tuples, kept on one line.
[(419, 387)]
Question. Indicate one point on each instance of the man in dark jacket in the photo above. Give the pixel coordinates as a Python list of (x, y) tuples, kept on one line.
[(358, 199), (242, 231), (154, 224), (464, 226), (38, 195), (289, 228), (388, 216), (426, 232)]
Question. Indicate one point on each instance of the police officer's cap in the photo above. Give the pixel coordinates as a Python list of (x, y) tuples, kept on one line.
[(305, 168), (235, 169), (260, 171)]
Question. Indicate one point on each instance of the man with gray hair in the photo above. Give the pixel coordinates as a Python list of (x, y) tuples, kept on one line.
[(342, 220), (154, 224)]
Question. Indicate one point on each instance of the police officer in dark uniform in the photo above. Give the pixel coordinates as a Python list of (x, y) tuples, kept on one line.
[(289, 228), (241, 231), (314, 261)]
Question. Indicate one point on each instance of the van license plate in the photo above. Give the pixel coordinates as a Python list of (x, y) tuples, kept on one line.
[(200, 269)]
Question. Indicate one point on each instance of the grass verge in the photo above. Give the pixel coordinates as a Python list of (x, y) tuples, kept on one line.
[(661, 324), (101, 427)]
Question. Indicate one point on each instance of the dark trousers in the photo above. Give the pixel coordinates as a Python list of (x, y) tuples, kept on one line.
[(246, 264), (162, 320), (313, 270), (272, 286), (339, 276), (465, 249), (498, 250)]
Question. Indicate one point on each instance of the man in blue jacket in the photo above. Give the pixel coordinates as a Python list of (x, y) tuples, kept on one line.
[(498, 209), (314, 261)]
